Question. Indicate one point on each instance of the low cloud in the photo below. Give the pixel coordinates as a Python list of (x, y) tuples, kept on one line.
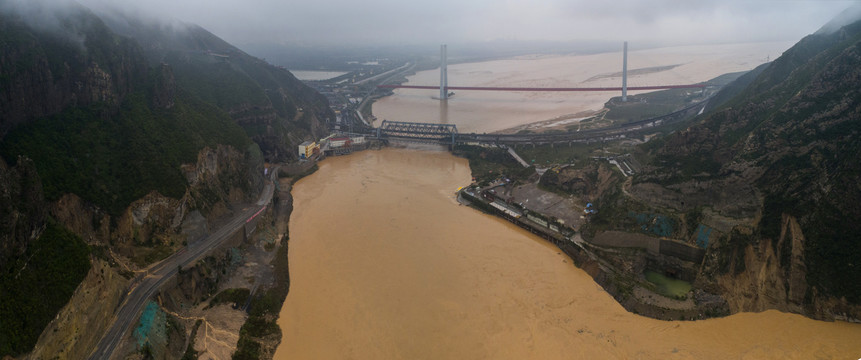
[(394, 22)]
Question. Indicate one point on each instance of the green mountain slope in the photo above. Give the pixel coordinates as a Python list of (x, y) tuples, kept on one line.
[(111, 116), (110, 142), (276, 110), (793, 134)]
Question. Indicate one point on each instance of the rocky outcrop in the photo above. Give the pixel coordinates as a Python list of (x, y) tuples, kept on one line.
[(164, 92), (89, 311), (276, 110), (732, 196), (82, 218), (51, 83), (153, 220), (753, 282), (590, 182), (135, 134), (772, 175), (769, 274), (220, 178), (22, 208)]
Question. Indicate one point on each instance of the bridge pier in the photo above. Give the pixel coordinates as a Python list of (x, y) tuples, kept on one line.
[(443, 81), (443, 73), (625, 72), (445, 134)]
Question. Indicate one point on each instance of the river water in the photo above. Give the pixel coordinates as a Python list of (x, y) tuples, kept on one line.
[(489, 111), (313, 75), (385, 264)]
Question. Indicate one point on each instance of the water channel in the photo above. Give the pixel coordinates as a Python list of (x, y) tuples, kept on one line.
[(386, 265), (483, 111)]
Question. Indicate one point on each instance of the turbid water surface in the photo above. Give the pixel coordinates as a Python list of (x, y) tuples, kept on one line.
[(386, 265), (489, 111)]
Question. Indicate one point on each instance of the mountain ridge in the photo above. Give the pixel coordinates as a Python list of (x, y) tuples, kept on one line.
[(790, 141), (138, 142)]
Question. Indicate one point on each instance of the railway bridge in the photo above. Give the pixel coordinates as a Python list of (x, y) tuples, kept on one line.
[(417, 132), (447, 134)]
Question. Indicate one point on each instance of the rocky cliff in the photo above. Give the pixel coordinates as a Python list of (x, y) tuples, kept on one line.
[(46, 70), (22, 208), (274, 108), (122, 144), (768, 183)]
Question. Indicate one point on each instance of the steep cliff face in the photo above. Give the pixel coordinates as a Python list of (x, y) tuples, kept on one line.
[(591, 182), (776, 171), (755, 275), (22, 208), (139, 144), (220, 179), (47, 70), (274, 108), (41, 263), (767, 184)]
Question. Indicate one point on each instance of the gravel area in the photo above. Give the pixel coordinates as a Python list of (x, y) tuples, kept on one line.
[(568, 208)]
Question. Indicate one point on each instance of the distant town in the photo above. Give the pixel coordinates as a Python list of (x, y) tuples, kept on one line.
[(351, 93)]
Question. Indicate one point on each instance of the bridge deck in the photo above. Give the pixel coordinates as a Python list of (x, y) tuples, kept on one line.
[(447, 133), (443, 133), (486, 88)]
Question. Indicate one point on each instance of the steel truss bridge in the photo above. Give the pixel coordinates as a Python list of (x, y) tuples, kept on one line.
[(446, 134), (417, 132)]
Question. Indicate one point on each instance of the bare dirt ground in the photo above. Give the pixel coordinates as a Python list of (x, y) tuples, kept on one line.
[(560, 123), (651, 298), (567, 208), (218, 334)]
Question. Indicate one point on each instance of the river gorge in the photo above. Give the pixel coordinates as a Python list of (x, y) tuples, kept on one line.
[(385, 264)]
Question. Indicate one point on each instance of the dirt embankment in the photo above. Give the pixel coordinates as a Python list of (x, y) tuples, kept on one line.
[(209, 309), (123, 246), (619, 270), (618, 260), (89, 311)]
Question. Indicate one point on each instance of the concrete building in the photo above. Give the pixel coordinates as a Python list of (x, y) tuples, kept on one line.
[(308, 149), (340, 141)]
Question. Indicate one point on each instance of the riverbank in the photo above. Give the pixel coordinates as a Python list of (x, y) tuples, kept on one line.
[(617, 261), (259, 336), (385, 264), (226, 304), (481, 111), (619, 269)]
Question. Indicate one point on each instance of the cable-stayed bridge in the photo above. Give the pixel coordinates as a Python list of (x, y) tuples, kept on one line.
[(444, 87)]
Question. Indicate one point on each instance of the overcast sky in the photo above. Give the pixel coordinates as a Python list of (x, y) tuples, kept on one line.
[(393, 22)]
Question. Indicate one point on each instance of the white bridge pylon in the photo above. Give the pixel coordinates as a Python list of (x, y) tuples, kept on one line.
[(443, 73)]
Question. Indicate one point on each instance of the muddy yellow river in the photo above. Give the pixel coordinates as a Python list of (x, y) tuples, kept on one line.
[(386, 265)]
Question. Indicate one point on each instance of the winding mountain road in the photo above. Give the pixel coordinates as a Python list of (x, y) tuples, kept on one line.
[(145, 286)]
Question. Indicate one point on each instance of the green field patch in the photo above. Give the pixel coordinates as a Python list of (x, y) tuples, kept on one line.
[(669, 287)]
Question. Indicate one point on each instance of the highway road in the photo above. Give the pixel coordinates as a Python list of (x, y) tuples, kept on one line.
[(600, 134), (145, 286), (375, 77)]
